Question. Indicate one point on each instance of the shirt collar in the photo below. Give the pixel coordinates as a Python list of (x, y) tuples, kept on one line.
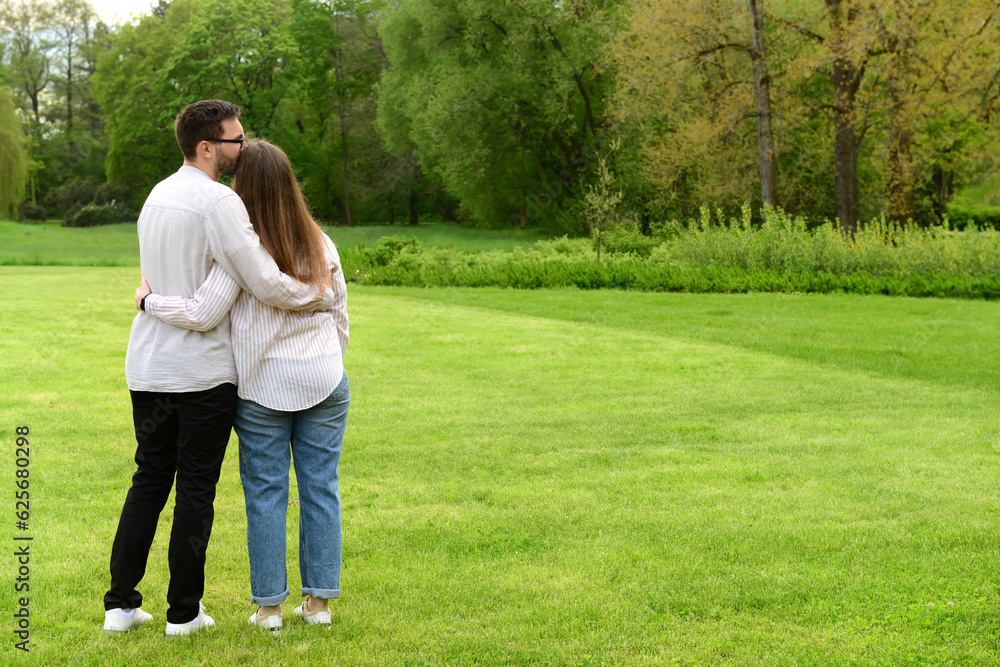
[(192, 171)]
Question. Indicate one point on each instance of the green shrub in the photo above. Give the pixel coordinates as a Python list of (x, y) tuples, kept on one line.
[(72, 195), (391, 247), (626, 238), (961, 217), (93, 215), (113, 193), (566, 247), (124, 211), (70, 214), (787, 245), (31, 211), (714, 254)]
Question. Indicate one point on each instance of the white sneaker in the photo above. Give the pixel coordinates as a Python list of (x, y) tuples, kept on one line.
[(202, 620), (272, 622), (315, 618), (123, 620)]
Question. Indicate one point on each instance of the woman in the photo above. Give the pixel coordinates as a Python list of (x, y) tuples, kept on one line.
[(294, 394)]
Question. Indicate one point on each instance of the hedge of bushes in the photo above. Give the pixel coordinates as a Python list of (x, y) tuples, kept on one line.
[(32, 212), (712, 254), (93, 215), (83, 202), (982, 217)]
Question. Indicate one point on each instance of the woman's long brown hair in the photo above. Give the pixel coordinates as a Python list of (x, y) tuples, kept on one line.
[(266, 184)]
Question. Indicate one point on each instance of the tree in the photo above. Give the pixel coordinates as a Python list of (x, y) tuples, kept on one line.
[(940, 64), (51, 50), (762, 97), (301, 70), (239, 50), (342, 58), (23, 25), (600, 202), (140, 100), (14, 158), (842, 56), (28, 55), (901, 88), (912, 62), (694, 83), (79, 148), (71, 21), (846, 59), (500, 99), (898, 32)]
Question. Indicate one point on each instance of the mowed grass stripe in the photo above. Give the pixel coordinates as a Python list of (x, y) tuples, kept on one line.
[(524, 490), (948, 342)]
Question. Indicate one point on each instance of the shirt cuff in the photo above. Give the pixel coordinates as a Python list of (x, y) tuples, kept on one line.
[(149, 305)]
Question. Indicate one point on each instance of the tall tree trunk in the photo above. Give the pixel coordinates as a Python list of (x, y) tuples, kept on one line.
[(944, 188), (69, 104), (846, 79), (762, 94)]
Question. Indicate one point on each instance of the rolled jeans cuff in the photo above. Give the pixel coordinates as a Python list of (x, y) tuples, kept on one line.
[(270, 601), (323, 593)]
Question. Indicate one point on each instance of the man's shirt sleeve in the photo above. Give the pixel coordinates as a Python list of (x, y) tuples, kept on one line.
[(236, 247)]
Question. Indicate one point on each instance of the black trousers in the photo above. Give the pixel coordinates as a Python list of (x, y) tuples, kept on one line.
[(177, 433)]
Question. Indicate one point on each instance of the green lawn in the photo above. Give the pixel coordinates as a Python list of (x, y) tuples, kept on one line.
[(49, 244), (563, 478), (984, 194)]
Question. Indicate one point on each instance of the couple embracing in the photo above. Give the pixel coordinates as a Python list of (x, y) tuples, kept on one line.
[(243, 324)]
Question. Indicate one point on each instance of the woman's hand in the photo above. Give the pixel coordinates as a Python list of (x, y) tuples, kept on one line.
[(141, 291)]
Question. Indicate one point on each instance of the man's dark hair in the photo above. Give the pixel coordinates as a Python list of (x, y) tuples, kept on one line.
[(202, 121)]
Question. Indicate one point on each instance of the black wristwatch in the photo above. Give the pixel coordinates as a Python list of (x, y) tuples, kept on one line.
[(142, 303)]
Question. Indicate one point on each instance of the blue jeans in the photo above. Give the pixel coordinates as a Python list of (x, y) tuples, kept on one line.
[(269, 439)]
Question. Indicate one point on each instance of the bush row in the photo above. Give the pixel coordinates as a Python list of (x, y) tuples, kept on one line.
[(93, 215), (788, 245), (982, 217), (82, 202), (712, 254)]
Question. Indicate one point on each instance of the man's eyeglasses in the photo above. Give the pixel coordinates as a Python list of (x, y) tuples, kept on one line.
[(231, 141)]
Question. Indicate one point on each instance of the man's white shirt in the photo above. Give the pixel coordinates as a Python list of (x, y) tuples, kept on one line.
[(188, 224)]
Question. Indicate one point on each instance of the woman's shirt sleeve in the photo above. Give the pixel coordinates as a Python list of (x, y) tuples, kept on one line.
[(202, 312)]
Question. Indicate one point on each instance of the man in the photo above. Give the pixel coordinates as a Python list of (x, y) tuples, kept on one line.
[(183, 383)]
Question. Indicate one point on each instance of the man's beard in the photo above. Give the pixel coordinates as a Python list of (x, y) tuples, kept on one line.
[(227, 165)]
